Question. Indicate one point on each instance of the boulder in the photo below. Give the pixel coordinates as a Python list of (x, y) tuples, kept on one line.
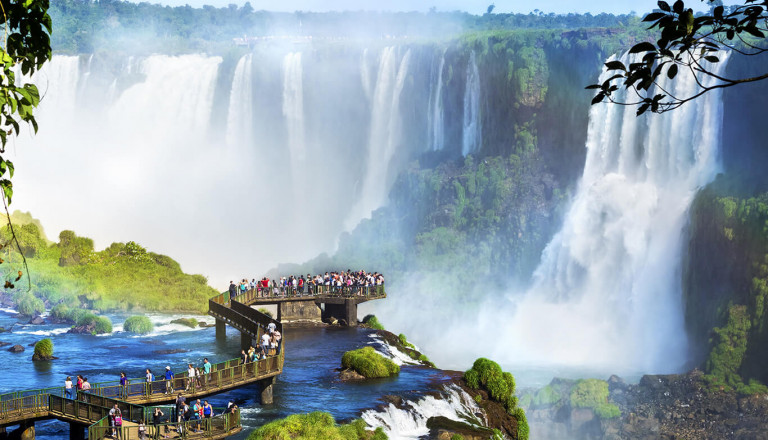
[(37, 357), (37, 320), (4, 344), (83, 329), (16, 349), (349, 375)]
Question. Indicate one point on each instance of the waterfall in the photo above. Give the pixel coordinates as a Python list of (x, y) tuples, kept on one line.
[(472, 131), (410, 420), (607, 292), (435, 124), (385, 134), (293, 106), (240, 113), (57, 83)]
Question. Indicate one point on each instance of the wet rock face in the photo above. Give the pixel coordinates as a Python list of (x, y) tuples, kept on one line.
[(16, 349), (83, 329), (350, 375), (659, 407), (37, 320)]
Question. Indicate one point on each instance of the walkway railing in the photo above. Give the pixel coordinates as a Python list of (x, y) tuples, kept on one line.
[(252, 296)]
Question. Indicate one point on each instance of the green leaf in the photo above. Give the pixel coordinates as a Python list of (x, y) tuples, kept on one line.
[(712, 58), (672, 71), (11, 168), (653, 16), (643, 47), (615, 65)]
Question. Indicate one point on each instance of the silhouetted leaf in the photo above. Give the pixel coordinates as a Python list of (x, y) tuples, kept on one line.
[(598, 98), (664, 6), (615, 65), (642, 47), (653, 16), (712, 58), (672, 71)]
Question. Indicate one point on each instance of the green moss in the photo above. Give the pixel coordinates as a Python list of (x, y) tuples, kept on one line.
[(315, 426), (729, 344), (593, 393), (546, 396), (523, 430), (404, 341), (44, 348), (457, 437), (369, 363), (138, 324)]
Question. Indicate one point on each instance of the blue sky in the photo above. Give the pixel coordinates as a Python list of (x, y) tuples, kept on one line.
[(473, 6)]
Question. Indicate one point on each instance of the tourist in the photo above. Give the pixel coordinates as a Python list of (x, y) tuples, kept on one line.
[(168, 380), (180, 402), (86, 389), (68, 390), (271, 327), (207, 414), (116, 421), (206, 371), (123, 385), (79, 382), (278, 339), (265, 343), (243, 357), (190, 377), (142, 430), (243, 286), (272, 344), (232, 291), (156, 418), (150, 379), (195, 411)]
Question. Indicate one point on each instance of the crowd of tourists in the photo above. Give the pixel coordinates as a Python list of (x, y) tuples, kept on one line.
[(347, 282)]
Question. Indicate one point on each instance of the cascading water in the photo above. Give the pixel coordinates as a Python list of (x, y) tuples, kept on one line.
[(385, 134), (607, 293), (240, 114), (293, 106), (472, 130), (435, 125), (410, 420)]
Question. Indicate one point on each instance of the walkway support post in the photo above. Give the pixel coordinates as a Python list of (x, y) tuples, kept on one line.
[(265, 387), (76, 431), (221, 329), (25, 431)]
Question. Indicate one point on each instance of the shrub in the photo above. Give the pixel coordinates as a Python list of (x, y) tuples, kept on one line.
[(265, 311), (369, 363), (28, 304), (373, 322), (102, 325), (523, 430), (315, 426), (404, 342), (60, 311), (593, 393), (44, 348), (138, 324)]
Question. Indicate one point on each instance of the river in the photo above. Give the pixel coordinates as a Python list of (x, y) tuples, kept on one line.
[(308, 383)]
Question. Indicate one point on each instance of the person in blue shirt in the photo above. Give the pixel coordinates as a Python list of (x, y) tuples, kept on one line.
[(168, 380)]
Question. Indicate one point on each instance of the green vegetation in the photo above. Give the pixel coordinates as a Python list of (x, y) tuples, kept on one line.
[(404, 341), (487, 375), (138, 324), (593, 393), (727, 287), (189, 322), (70, 276), (315, 426), (265, 311), (369, 363), (373, 322), (44, 348)]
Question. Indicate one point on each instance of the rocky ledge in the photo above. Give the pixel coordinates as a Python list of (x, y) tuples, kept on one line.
[(680, 406)]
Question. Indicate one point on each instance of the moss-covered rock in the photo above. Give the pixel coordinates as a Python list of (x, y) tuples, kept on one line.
[(487, 375), (138, 324), (189, 322), (372, 322), (369, 363), (315, 426), (43, 350), (593, 394)]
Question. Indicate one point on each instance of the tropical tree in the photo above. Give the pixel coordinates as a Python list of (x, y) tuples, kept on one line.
[(24, 47), (689, 44)]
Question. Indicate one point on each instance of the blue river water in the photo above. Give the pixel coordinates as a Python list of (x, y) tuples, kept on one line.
[(308, 383)]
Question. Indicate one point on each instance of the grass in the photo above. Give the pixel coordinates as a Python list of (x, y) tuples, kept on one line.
[(189, 322), (369, 363), (315, 426), (373, 322), (138, 324)]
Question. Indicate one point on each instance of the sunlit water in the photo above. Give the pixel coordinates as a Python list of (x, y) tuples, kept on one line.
[(308, 383)]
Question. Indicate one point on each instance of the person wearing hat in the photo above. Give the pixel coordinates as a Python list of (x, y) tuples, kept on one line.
[(168, 380), (68, 387)]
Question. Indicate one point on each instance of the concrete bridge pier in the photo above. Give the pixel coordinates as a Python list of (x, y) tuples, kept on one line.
[(76, 431), (245, 341), (346, 310), (265, 388), (25, 431), (221, 329)]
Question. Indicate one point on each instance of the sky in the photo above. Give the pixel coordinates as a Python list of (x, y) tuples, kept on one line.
[(472, 6)]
